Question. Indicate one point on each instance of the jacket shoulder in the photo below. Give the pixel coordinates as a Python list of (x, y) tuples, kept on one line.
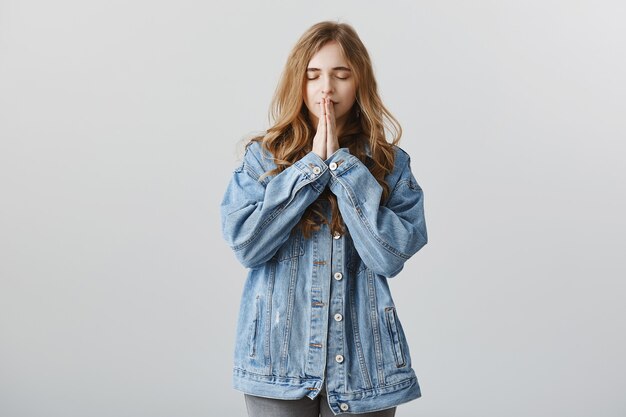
[(400, 163), (402, 157), (256, 160), (401, 173)]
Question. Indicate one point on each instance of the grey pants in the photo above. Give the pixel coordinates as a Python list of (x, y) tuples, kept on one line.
[(304, 407)]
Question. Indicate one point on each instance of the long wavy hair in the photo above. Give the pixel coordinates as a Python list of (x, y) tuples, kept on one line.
[(291, 136)]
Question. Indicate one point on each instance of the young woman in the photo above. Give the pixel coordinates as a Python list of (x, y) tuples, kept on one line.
[(323, 210)]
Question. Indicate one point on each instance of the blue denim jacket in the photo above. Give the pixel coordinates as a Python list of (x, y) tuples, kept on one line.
[(319, 310)]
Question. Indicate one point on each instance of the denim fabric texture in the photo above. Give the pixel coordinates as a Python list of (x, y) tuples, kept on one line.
[(319, 309)]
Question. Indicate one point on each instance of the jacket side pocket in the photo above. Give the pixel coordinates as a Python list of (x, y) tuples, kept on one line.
[(254, 329), (394, 335)]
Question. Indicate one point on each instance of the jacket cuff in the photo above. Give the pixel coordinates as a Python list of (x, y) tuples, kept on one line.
[(314, 169), (341, 161)]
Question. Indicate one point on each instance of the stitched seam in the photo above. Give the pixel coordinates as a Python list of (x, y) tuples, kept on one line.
[(357, 339), (375, 328), (351, 165), (290, 307)]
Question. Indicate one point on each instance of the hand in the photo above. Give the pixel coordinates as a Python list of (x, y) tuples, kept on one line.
[(319, 140), (325, 142), (332, 142)]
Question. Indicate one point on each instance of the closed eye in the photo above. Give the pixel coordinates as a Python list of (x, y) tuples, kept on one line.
[(315, 78)]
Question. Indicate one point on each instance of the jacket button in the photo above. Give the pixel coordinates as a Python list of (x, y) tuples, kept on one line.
[(339, 358), (338, 276), (317, 170), (332, 166), (338, 317), (336, 236), (344, 407)]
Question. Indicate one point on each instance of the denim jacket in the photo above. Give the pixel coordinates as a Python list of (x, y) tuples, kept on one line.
[(318, 310)]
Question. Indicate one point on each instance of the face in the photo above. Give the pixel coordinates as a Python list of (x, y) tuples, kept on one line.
[(329, 75)]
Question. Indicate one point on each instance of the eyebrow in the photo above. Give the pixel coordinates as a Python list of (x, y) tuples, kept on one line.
[(334, 69)]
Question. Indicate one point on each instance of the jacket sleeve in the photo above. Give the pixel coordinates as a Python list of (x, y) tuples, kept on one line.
[(257, 215), (385, 236)]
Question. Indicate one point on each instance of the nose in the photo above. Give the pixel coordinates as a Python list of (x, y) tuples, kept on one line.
[(327, 87)]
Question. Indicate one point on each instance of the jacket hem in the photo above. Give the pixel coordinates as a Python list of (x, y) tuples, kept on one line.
[(376, 399), (271, 386), (293, 388)]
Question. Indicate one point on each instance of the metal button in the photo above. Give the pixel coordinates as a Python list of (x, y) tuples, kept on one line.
[(338, 317), (317, 170), (343, 406), (339, 358), (332, 166), (336, 235), (338, 276)]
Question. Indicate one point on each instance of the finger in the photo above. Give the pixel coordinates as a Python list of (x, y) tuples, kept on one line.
[(330, 142), (330, 116), (319, 140), (330, 110), (330, 128), (322, 126)]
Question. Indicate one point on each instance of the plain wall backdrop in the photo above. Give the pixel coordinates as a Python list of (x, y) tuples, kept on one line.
[(121, 123)]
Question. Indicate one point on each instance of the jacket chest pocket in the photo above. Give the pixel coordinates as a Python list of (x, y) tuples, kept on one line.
[(293, 248)]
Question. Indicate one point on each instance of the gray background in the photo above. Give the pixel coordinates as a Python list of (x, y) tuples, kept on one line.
[(120, 124)]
